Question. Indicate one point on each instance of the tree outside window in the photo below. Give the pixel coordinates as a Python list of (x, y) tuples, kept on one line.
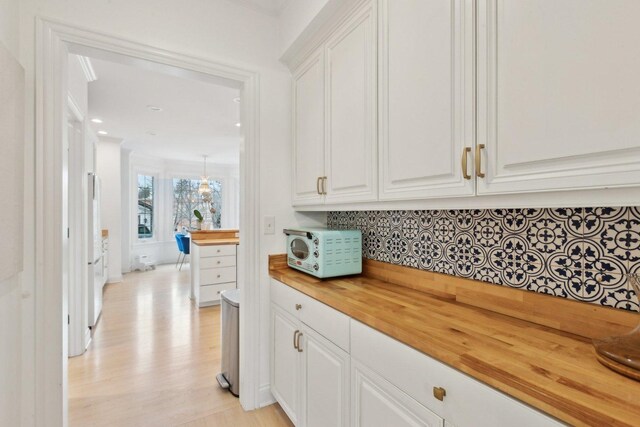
[(146, 192), (186, 199)]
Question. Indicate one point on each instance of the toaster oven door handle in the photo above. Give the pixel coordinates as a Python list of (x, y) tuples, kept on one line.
[(306, 234)]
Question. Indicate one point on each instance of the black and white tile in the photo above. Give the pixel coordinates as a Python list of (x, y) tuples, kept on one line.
[(578, 253)]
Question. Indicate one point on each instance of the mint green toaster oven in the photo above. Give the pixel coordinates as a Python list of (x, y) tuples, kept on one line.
[(324, 253)]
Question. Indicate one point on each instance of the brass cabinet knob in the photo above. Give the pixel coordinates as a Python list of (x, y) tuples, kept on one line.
[(298, 306), (439, 393)]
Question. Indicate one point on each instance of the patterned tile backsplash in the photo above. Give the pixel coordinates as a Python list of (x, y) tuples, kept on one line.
[(578, 253)]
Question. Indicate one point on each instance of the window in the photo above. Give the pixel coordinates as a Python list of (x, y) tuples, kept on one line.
[(146, 192), (186, 199)]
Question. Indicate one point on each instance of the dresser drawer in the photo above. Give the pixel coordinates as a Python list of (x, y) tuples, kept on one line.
[(212, 276), (325, 320), (219, 261), (217, 250), (210, 294)]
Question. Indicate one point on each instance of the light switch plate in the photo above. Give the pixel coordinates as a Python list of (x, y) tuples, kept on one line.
[(269, 225)]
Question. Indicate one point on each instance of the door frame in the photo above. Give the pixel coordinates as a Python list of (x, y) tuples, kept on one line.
[(53, 41)]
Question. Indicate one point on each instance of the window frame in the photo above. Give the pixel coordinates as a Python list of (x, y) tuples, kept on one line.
[(157, 192), (174, 176)]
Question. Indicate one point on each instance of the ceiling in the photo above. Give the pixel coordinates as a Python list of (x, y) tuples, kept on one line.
[(197, 117), (270, 7)]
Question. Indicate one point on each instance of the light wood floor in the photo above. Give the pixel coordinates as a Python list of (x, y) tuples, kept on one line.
[(153, 361)]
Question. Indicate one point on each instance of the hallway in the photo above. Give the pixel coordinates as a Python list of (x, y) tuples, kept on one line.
[(153, 361)]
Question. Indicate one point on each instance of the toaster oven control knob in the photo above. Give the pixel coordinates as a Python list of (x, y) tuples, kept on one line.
[(316, 267), (316, 241), (316, 254)]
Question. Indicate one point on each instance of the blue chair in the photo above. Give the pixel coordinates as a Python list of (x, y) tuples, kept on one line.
[(179, 237), (186, 248)]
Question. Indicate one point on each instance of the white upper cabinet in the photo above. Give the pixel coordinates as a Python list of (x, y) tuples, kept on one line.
[(558, 94), (308, 131), (351, 160), (426, 93)]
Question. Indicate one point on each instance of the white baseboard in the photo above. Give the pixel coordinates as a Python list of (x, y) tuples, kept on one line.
[(114, 279), (265, 398)]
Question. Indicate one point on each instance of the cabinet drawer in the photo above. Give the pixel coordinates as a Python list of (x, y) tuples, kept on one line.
[(325, 320), (217, 250), (467, 403), (211, 293), (219, 261), (212, 276), (286, 297)]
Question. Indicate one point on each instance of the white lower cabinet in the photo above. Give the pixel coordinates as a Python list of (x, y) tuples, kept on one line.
[(309, 371), (285, 364), (377, 402), (330, 370), (324, 381)]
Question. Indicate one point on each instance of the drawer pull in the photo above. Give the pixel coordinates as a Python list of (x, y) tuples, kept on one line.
[(465, 158), (298, 306), (218, 276), (219, 292), (218, 262), (439, 393), (479, 149), (295, 342), (298, 343)]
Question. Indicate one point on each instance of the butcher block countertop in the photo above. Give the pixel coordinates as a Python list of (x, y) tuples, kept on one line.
[(533, 347), (215, 237), (212, 242)]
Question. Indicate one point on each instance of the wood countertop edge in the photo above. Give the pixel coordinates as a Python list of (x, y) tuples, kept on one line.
[(213, 242), (534, 391)]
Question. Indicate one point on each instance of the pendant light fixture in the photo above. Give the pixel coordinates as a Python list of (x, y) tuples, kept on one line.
[(204, 183)]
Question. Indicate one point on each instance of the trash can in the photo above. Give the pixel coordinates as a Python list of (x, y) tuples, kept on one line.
[(230, 341)]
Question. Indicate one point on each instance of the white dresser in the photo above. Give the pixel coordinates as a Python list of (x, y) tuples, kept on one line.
[(213, 270)]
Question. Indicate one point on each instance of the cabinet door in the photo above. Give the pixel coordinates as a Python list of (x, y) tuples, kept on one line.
[(376, 402), (285, 362), (308, 131), (351, 161), (325, 382), (558, 94), (426, 93)]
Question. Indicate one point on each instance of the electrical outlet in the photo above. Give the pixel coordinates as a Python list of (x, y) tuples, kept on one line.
[(269, 225)]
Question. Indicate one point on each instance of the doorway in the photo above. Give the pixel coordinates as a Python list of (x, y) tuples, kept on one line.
[(54, 42)]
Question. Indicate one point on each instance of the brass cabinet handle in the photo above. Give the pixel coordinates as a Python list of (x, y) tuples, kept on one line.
[(479, 149), (318, 185), (298, 306), (295, 342), (324, 185), (465, 158), (298, 343), (439, 393)]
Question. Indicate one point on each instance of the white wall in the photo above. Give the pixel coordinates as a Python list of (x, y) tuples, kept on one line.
[(10, 289), (212, 29), (295, 17), (108, 170)]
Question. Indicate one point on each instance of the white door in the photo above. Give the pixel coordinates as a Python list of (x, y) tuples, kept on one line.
[(351, 160), (426, 92), (558, 94), (285, 362), (308, 131), (378, 403), (325, 382)]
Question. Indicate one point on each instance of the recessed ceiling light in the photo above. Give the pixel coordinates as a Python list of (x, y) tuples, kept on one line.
[(103, 132), (236, 100), (238, 124), (154, 108), (96, 120)]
